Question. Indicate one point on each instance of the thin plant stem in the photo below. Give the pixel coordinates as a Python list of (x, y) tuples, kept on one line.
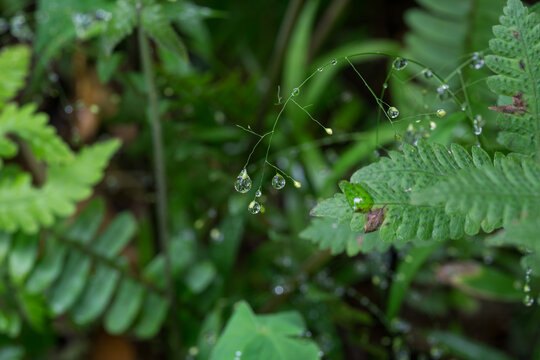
[(161, 185)]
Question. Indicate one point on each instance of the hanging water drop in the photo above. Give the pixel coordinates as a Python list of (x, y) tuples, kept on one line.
[(428, 74), (328, 131), (295, 92), (243, 182), (278, 182), (528, 300), (258, 193), (478, 124), (477, 61), (333, 62), (400, 63), (441, 113), (443, 91), (297, 184), (385, 86), (432, 125), (254, 207), (393, 112)]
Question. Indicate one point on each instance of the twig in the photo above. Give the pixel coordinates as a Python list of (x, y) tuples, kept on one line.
[(161, 186)]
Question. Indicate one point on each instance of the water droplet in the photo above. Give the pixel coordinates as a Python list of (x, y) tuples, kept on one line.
[(243, 182), (477, 61), (528, 300), (320, 69), (463, 107), (385, 86), (295, 92), (297, 184), (443, 91), (428, 74), (333, 62), (432, 125), (328, 131), (278, 182), (392, 112), (68, 109), (254, 207), (238, 353), (216, 235), (478, 124), (526, 288), (278, 290), (441, 113), (258, 193), (400, 63)]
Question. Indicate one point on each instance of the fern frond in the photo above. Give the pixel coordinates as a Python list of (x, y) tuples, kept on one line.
[(121, 24), (492, 195), (158, 26), (80, 273), (516, 60), (25, 207), (14, 61), (393, 181), (33, 129)]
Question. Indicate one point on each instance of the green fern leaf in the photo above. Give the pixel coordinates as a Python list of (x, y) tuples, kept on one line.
[(491, 195), (33, 129), (516, 60), (393, 182), (88, 280), (121, 24), (14, 61), (158, 26), (25, 207)]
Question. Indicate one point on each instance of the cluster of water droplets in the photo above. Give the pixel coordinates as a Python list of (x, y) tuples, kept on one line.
[(528, 299), (19, 27), (478, 124), (83, 22), (477, 61), (443, 92)]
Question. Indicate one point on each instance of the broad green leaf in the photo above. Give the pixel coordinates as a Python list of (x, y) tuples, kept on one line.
[(125, 307), (466, 348), (22, 257), (269, 337), (200, 276), (153, 314), (70, 284), (48, 268)]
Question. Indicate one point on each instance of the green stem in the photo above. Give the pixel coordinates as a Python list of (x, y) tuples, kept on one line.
[(161, 186)]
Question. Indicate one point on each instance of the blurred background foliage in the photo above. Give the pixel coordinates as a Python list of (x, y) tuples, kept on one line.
[(464, 300)]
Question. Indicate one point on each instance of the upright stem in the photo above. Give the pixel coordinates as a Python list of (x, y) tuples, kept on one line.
[(161, 186)]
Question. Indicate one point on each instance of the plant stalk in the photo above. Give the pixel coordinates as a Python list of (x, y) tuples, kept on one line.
[(161, 185)]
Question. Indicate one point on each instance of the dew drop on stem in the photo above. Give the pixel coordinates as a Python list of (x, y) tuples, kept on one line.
[(243, 182), (399, 63), (254, 207), (278, 182), (392, 112)]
